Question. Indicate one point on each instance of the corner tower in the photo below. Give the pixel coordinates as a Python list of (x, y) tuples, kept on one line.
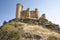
[(19, 9)]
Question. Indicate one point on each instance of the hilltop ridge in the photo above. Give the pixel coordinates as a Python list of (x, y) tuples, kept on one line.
[(32, 29)]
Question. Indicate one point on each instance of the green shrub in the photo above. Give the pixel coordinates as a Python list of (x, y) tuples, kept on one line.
[(53, 38), (9, 32)]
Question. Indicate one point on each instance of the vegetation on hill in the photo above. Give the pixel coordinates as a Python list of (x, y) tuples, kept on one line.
[(29, 29), (53, 38), (9, 32)]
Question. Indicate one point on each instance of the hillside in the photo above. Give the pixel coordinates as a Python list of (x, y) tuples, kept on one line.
[(30, 29)]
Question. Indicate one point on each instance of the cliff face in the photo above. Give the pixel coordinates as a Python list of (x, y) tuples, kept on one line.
[(30, 29)]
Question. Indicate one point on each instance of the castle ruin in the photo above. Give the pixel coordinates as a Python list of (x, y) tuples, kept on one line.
[(23, 14)]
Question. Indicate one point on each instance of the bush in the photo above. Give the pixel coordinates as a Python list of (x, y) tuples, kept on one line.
[(53, 38), (4, 22), (9, 32)]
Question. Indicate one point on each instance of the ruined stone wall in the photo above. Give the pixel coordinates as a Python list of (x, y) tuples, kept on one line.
[(43, 16)]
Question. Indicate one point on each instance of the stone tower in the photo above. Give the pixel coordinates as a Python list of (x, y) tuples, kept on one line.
[(43, 16), (19, 8), (28, 12), (36, 13)]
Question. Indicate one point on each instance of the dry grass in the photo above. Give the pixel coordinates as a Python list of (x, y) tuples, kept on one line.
[(40, 30)]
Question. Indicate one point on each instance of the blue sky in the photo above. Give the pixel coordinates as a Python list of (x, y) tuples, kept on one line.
[(50, 7)]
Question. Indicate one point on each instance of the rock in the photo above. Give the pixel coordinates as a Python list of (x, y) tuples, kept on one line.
[(37, 36), (31, 36)]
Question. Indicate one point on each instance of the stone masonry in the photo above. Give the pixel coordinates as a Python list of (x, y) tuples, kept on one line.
[(23, 14)]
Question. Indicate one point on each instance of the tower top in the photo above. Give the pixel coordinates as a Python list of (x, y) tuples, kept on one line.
[(19, 4), (36, 9)]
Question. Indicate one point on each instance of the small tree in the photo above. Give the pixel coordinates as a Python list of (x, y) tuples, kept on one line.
[(4, 22)]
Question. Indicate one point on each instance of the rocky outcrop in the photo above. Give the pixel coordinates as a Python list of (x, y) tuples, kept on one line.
[(31, 36)]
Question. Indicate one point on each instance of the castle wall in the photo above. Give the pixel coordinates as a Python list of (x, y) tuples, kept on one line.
[(32, 14), (25, 13), (22, 14), (29, 14)]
